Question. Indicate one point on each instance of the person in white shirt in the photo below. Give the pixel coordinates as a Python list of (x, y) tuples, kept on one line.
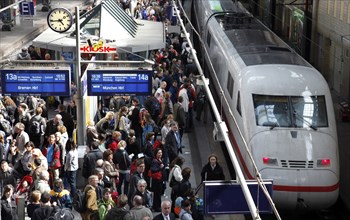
[(71, 166)]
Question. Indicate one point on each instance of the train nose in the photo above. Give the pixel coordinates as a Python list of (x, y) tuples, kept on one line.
[(303, 189)]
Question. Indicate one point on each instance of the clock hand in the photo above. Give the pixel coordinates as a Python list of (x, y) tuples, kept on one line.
[(60, 20)]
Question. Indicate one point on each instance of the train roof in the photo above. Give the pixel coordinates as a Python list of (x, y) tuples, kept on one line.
[(283, 80), (254, 42)]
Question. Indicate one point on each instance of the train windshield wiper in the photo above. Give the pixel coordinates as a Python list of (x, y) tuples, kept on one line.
[(301, 118), (271, 124)]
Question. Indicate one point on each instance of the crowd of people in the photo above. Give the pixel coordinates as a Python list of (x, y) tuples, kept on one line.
[(134, 144)]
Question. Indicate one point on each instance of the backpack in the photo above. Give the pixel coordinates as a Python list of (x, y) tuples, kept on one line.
[(86, 166), (155, 107), (35, 128), (79, 201), (199, 205), (62, 214), (201, 97), (6, 127), (189, 94), (184, 57)]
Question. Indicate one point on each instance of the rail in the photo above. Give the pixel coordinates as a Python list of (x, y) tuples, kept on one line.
[(222, 126), (12, 5)]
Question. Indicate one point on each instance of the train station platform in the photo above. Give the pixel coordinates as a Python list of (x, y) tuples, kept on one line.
[(199, 143)]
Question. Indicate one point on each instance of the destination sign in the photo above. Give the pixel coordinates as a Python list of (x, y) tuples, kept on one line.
[(119, 82), (41, 82)]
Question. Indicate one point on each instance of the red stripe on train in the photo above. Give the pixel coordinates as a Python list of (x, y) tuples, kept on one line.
[(281, 187), (306, 188)]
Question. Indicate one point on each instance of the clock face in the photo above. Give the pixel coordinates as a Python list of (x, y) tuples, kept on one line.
[(60, 19)]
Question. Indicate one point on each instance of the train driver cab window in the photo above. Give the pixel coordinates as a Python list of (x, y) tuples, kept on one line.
[(309, 111), (290, 111), (230, 84), (208, 38), (272, 111)]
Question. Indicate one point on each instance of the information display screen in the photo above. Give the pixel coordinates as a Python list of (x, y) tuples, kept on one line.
[(226, 197), (119, 82), (41, 82)]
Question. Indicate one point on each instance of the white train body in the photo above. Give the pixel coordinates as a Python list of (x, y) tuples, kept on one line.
[(282, 105)]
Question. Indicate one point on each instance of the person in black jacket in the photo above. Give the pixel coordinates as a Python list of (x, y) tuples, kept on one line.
[(6, 174), (8, 205), (135, 177), (119, 212), (184, 188), (67, 119), (141, 191), (46, 210), (122, 160), (166, 212), (212, 170), (90, 159), (135, 119)]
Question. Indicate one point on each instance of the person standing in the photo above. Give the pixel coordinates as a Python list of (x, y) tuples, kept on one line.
[(120, 212), (166, 212), (90, 159), (180, 115), (71, 166), (200, 102), (36, 133), (53, 155), (156, 174), (110, 169), (134, 179), (43, 183), (91, 212), (173, 141), (189, 95), (22, 136), (185, 213), (122, 160), (135, 120), (6, 174), (8, 205), (45, 210), (52, 126), (141, 191), (212, 170), (24, 55), (67, 119), (91, 133), (139, 211), (105, 204), (22, 115)]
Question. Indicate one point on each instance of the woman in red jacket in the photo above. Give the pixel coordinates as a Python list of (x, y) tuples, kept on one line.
[(53, 155)]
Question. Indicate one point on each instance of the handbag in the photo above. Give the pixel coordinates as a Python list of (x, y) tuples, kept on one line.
[(155, 175), (173, 181)]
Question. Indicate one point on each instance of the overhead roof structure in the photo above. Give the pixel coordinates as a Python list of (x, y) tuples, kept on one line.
[(110, 22)]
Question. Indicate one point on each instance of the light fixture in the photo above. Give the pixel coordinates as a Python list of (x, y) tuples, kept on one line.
[(149, 61)]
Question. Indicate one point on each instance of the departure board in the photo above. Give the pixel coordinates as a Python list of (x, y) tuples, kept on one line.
[(35, 82), (119, 82)]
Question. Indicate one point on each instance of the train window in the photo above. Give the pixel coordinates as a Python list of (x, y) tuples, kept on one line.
[(230, 84), (208, 38), (239, 103), (309, 111), (272, 110), (290, 111)]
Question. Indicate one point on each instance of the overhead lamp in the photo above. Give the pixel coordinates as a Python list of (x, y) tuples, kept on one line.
[(149, 61)]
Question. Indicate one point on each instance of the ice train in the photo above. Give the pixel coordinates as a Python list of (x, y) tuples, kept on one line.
[(282, 105)]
